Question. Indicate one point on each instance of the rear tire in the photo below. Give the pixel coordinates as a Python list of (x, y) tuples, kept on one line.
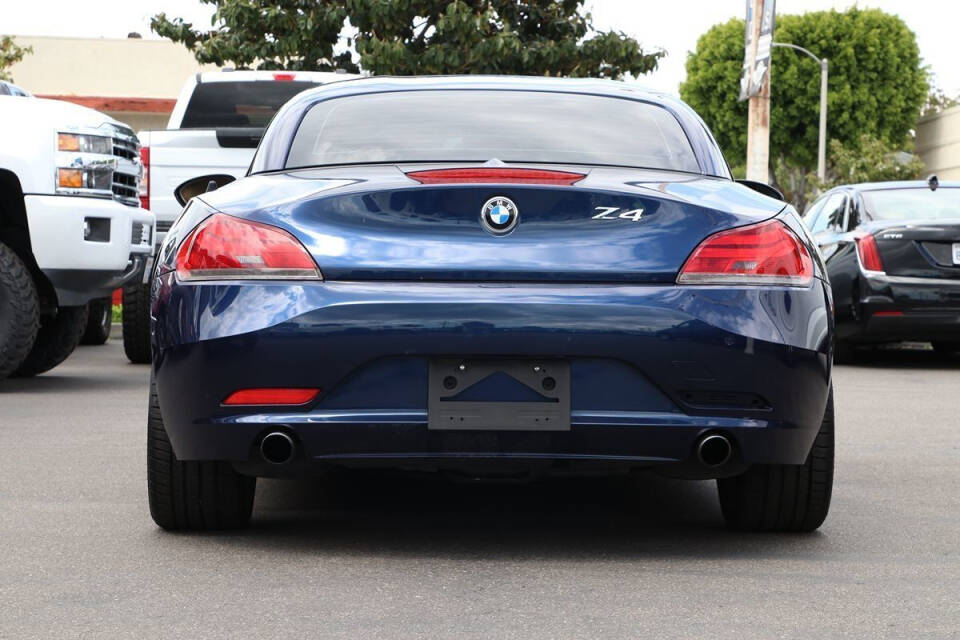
[(192, 496), (99, 322), (781, 497), (58, 336), (19, 311), (946, 348), (136, 322)]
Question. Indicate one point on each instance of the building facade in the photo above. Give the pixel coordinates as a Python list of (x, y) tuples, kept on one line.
[(133, 80), (938, 143)]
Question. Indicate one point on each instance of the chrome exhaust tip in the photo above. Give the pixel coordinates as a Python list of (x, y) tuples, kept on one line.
[(714, 450), (277, 447)]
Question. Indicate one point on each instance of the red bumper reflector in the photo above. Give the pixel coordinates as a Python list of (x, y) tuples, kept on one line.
[(495, 175), (887, 314), (271, 396)]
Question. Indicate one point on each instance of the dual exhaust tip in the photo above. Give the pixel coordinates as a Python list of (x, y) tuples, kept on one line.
[(277, 447), (714, 450)]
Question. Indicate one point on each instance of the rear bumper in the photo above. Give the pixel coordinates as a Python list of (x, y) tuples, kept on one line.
[(653, 368), (903, 309)]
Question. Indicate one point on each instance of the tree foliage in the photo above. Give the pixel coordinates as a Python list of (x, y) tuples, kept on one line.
[(877, 86), (10, 54), (870, 160), (403, 37)]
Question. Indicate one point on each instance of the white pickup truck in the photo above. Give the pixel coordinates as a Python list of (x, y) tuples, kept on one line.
[(215, 128), (71, 226)]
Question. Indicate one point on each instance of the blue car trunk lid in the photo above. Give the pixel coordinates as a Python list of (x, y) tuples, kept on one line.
[(375, 223)]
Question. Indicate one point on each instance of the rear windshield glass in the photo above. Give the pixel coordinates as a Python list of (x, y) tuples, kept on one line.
[(912, 204), (215, 105), (477, 126)]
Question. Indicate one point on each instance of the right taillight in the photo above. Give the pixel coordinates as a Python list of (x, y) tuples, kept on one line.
[(869, 252), (768, 253), (223, 247)]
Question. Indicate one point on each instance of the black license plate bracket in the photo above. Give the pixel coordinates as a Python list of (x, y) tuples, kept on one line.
[(449, 378)]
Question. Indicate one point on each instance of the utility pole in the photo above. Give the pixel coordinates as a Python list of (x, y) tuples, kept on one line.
[(758, 118)]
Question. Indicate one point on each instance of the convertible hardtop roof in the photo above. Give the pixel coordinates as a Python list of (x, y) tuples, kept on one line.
[(595, 86), (277, 139)]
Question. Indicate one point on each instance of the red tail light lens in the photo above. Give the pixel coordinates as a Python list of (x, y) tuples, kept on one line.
[(283, 77), (145, 177), (271, 396), (495, 175), (224, 247), (869, 253), (768, 253)]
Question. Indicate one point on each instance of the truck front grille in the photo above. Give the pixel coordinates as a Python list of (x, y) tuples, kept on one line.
[(126, 177)]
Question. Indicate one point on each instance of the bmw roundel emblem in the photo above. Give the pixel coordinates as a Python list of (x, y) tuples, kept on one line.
[(499, 215)]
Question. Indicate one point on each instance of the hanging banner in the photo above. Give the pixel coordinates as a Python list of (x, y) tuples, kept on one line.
[(756, 56)]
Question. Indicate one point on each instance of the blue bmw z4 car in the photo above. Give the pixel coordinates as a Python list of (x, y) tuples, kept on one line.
[(489, 276)]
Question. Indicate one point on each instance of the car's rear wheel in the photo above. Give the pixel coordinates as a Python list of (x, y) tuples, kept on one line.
[(57, 338), (136, 322), (778, 497), (19, 314), (947, 347), (99, 322), (195, 496)]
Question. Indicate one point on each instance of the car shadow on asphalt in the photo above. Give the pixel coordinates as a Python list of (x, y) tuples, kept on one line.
[(400, 515)]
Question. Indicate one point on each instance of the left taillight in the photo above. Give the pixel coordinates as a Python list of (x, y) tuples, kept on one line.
[(768, 253), (223, 247)]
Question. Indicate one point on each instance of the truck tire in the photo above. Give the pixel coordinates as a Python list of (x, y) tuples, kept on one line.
[(781, 497), (99, 321), (19, 311), (136, 322), (58, 336), (192, 496)]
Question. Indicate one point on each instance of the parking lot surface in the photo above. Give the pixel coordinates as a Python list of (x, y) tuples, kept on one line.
[(375, 555)]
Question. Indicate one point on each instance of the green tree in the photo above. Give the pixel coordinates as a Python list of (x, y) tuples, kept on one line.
[(403, 37), (10, 54), (877, 86), (869, 159)]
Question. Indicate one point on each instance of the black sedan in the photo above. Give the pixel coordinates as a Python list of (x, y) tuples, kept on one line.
[(892, 251)]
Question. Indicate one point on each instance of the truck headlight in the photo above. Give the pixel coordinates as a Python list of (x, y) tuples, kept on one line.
[(97, 178), (84, 143)]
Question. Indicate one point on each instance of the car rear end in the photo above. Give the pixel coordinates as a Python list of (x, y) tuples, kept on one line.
[(377, 313), (909, 257)]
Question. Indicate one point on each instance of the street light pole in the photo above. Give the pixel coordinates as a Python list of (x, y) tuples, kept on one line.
[(822, 142)]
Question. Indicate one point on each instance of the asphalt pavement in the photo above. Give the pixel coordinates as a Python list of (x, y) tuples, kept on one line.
[(387, 556)]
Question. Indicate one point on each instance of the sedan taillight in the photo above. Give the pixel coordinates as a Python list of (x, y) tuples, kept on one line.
[(224, 247), (768, 253), (869, 252)]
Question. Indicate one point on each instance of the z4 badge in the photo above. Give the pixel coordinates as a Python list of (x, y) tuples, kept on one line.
[(616, 213)]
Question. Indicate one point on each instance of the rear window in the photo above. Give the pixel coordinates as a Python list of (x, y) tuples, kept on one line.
[(215, 105), (477, 126), (912, 204)]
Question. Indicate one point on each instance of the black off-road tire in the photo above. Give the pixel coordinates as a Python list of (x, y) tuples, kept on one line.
[(192, 496), (791, 498), (19, 311), (99, 322), (57, 338), (946, 347), (136, 322)]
